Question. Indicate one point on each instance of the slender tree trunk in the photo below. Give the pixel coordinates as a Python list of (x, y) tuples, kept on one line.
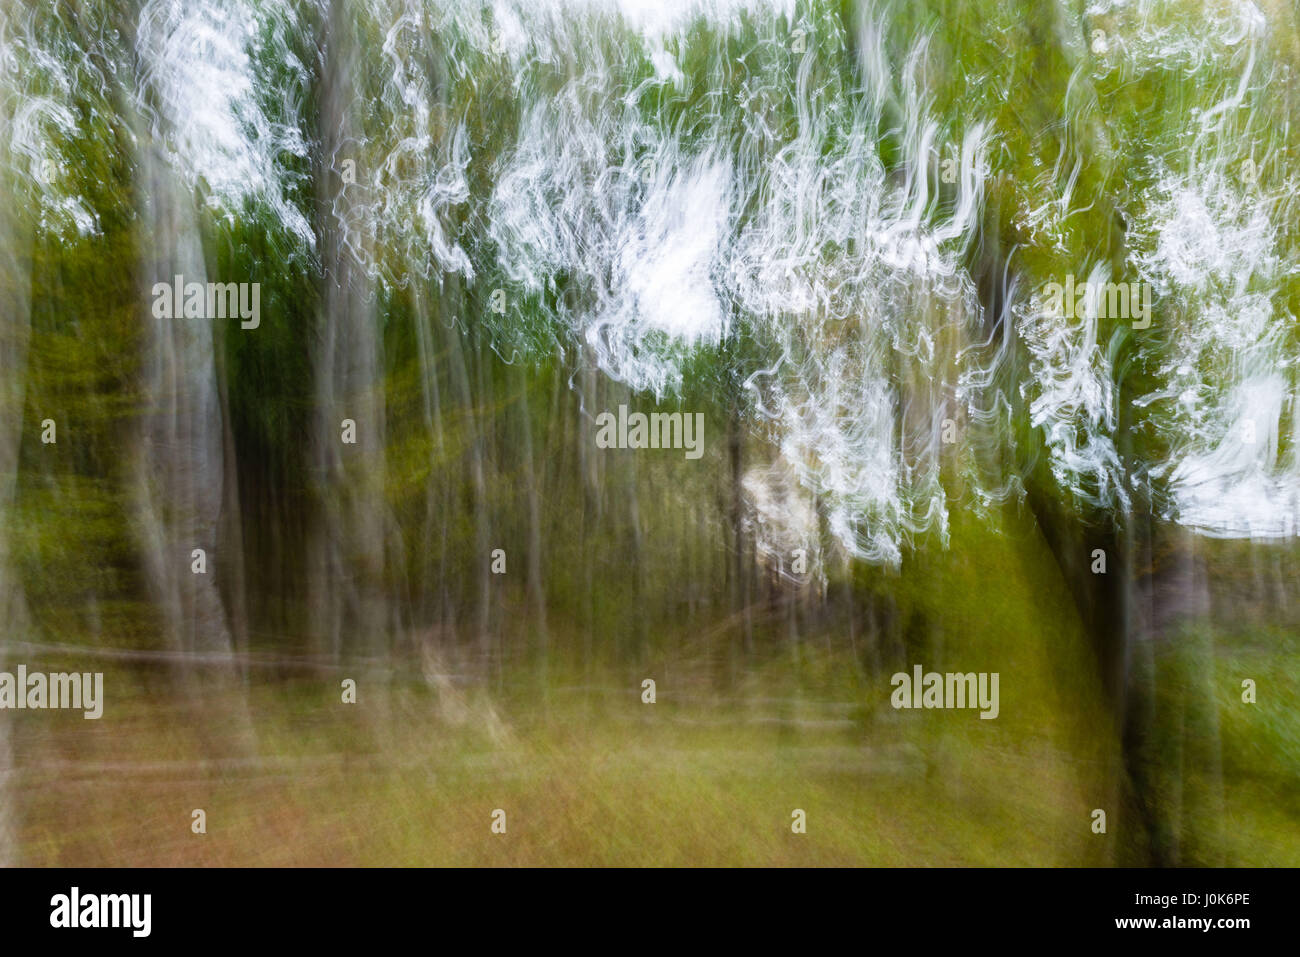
[(535, 585), (348, 369), (15, 334)]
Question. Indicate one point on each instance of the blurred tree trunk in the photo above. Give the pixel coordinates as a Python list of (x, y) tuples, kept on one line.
[(535, 585), (180, 477), (15, 334), (1172, 735), (588, 408), (347, 606), (484, 445), (473, 439), (739, 577), (432, 579)]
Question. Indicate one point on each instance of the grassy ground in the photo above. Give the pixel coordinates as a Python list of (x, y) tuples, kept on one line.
[(710, 773), (600, 778)]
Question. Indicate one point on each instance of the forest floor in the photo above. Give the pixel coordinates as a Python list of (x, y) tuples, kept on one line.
[(588, 774)]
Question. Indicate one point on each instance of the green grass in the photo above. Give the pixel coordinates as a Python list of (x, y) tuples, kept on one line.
[(595, 777)]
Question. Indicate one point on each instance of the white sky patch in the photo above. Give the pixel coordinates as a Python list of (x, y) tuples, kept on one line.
[(1168, 34), (639, 226), (666, 260), (1073, 396), (1211, 251), (782, 517), (36, 84), (195, 60)]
